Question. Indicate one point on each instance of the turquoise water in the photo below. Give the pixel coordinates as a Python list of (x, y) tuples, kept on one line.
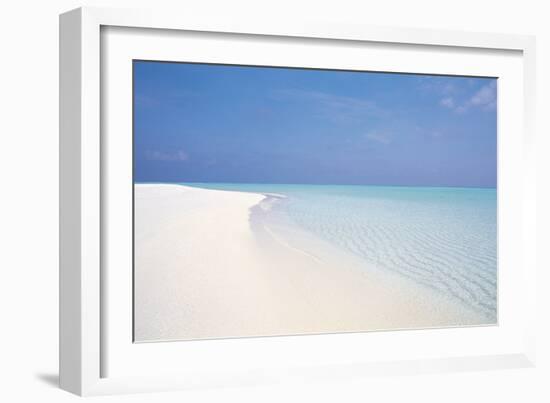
[(441, 238)]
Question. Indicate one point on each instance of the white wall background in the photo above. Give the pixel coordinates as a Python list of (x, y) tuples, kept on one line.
[(29, 210)]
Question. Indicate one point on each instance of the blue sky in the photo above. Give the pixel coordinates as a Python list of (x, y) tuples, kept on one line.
[(213, 123)]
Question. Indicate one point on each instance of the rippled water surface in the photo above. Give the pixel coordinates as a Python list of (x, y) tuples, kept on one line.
[(442, 238)]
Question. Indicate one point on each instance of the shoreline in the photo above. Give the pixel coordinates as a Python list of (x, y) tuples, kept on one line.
[(209, 265)]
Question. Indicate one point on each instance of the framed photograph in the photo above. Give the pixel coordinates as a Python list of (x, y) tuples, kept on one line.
[(249, 202)]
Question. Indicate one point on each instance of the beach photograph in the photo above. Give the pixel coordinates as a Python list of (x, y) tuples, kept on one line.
[(278, 201)]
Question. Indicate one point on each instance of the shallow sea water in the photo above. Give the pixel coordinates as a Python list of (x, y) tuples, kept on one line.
[(441, 238)]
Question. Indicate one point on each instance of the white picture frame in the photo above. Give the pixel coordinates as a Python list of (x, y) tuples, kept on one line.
[(98, 358)]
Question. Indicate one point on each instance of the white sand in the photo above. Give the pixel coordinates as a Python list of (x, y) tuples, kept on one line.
[(201, 272)]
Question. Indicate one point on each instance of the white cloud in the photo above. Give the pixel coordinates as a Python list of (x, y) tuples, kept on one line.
[(437, 85), (461, 108), (378, 137), (485, 98), (333, 106), (178, 155), (448, 102)]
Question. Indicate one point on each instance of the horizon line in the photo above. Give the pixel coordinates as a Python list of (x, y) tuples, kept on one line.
[(315, 184)]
